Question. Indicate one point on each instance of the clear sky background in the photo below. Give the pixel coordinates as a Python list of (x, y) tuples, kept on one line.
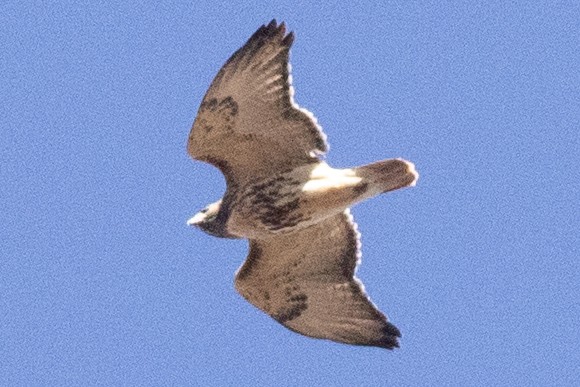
[(101, 281)]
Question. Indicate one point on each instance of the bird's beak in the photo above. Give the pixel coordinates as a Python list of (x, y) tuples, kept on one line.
[(197, 219)]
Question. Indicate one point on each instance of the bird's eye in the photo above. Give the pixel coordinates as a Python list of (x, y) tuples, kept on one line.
[(204, 210)]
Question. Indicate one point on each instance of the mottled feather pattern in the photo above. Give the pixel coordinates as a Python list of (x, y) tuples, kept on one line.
[(274, 203), (256, 78), (308, 291), (223, 113)]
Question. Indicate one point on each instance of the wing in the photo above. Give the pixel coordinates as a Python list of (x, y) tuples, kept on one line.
[(248, 124), (306, 281)]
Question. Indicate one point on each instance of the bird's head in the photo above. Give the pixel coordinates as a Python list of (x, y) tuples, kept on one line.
[(207, 221)]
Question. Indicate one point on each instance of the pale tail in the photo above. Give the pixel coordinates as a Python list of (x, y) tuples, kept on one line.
[(390, 174)]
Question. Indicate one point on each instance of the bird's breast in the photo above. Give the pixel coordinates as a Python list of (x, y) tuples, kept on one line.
[(293, 200)]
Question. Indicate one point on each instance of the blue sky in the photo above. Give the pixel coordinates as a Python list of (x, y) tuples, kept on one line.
[(101, 281)]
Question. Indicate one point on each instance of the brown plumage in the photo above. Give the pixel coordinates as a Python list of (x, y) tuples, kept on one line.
[(293, 207)]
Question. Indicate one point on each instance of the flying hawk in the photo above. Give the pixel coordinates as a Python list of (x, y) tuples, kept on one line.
[(293, 207)]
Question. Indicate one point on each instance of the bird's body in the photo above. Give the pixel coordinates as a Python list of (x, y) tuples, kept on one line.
[(292, 206), (300, 197)]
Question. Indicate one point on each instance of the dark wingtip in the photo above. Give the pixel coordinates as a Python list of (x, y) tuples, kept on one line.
[(390, 337), (392, 330), (266, 34), (390, 344), (273, 23), (274, 29), (288, 39)]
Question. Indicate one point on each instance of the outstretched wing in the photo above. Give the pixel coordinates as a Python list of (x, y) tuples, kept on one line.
[(305, 280), (248, 124)]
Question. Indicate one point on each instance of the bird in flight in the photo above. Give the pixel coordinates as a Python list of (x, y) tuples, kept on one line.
[(291, 205)]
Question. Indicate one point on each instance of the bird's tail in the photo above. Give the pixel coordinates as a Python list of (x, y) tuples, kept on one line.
[(389, 175)]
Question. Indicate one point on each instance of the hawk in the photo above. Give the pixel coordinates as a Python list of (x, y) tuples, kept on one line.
[(291, 205)]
